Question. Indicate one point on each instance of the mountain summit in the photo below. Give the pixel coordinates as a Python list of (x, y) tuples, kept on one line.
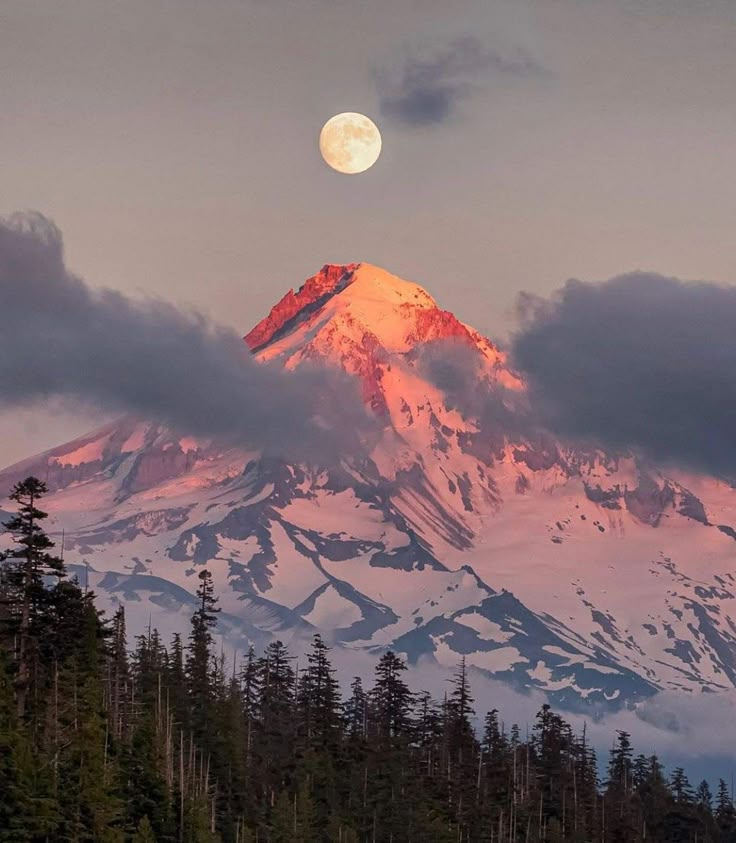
[(359, 300), (593, 577), (357, 317)]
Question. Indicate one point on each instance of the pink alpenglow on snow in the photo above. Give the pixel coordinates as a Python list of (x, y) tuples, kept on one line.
[(591, 576)]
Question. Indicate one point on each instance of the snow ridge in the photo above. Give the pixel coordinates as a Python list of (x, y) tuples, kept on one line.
[(590, 576)]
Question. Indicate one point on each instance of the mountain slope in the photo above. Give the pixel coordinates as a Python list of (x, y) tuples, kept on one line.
[(591, 576)]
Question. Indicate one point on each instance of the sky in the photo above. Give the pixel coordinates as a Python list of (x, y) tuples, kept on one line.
[(174, 144)]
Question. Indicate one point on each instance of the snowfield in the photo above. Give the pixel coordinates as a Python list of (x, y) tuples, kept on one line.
[(593, 577)]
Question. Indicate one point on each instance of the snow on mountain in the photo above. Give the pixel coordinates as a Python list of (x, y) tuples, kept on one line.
[(590, 576)]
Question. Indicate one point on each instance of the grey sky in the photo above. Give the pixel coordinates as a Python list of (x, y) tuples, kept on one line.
[(174, 144)]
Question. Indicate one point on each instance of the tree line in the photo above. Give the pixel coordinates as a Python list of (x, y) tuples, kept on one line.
[(103, 741)]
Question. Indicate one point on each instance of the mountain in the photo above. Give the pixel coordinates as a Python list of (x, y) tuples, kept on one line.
[(594, 577)]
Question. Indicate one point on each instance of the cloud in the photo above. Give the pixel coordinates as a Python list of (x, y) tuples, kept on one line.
[(455, 368), (640, 361), (678, 726), (427, 88), (61, 338)]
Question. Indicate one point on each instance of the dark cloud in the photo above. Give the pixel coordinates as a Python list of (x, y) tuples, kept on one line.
[(62, 338), (640, 361), (426, 89), (455, 368)]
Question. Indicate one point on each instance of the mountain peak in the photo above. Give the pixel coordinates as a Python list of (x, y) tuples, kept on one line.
[(367, 282), (360, 298), (314, 292), (365, 320)]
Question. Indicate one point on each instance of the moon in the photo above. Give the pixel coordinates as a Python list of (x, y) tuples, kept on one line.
[(350, 142)]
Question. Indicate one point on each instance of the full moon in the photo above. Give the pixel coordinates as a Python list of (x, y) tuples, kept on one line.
[(350, 142)]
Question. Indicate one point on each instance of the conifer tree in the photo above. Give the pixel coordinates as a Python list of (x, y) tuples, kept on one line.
[(655, 798), (460, 703), (391, 729), (356, 710), (199, 663), (703, 795), (277, 726), (19, 811), (681, 821), (23, 591), (175, 680), (620, 768), (119, 682), (319, 698), (725, 813), (681, 789), (462, 752), (391, 698), (248, 684)]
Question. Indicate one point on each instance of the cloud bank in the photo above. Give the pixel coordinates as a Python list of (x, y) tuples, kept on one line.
[(454, 367), (61, 338), (427, 89), (640, 361)]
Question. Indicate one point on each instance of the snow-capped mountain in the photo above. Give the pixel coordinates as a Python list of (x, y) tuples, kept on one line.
[(593, 577)]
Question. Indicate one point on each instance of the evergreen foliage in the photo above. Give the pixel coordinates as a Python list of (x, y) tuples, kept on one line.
[(163, 743)]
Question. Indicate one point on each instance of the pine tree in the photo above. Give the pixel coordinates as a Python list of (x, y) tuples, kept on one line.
[(249, 692), (320, 724), (429, 736), (620, 767), (275, 745), (681, 822), (199, 664), (639, 771), (119, 682), (24, 812), (585, 789), (703, 795), (391, 698), (353, 788), (390, 731), (77, 739), (655, 798), (460, 703), (319, 699), (707, 827), (623, 822), (462, 752), (725, 814), (24, 593), (681, 789), (494, 742), (356, 710), (176, 683), (249, 684), (496, 772)]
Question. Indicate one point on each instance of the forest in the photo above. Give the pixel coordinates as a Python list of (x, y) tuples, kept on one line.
[(106, 739)]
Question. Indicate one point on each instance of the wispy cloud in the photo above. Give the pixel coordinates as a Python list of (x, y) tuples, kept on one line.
[(427, 88)]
